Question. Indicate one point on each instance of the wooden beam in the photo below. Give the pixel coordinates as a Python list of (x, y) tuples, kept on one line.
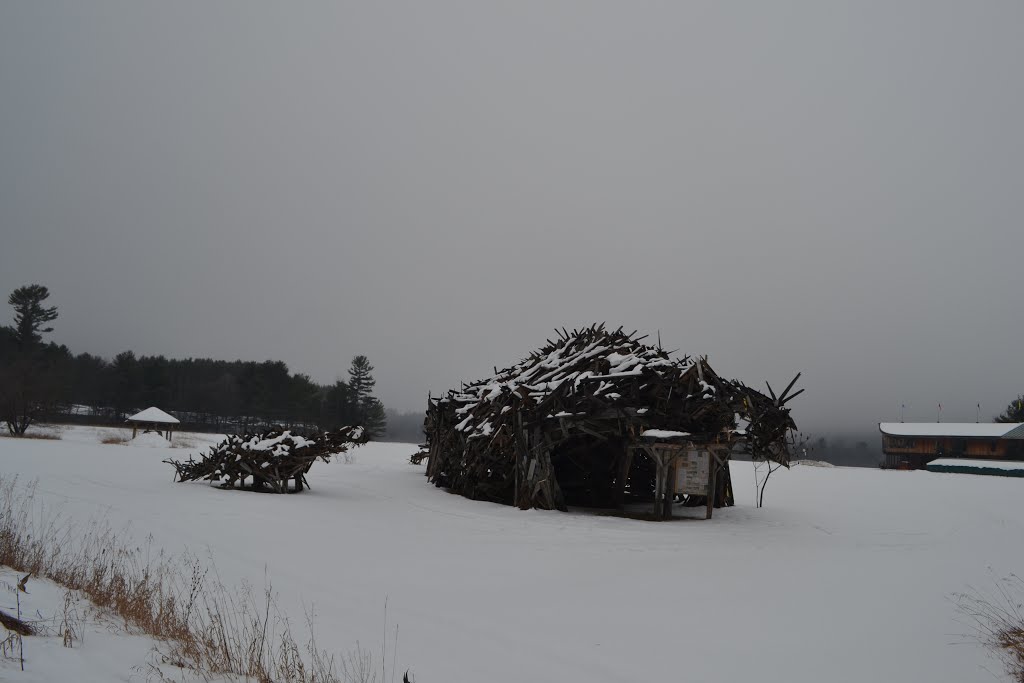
[(620, 488), (670, 484), (712, 472)]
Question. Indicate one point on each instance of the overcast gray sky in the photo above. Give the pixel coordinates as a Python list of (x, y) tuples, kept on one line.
[(833, 188)]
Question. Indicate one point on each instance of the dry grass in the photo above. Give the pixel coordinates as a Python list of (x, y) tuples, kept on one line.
[(182, 441), (44, 436), (118, 437), (121, 438), (203, 625), (9, 646), (46, 432), (997, 619)]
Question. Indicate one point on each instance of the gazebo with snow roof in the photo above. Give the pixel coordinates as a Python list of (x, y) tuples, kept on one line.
[(155, 420)]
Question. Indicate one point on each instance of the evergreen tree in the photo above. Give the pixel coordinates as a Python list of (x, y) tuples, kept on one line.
[(29, 371), (374, 420), (30, 315), (126, 382), (367, 410), (39, 379), (360, 379), (1014, 412), (337, 408)]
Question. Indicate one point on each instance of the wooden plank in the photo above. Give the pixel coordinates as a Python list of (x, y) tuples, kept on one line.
[(712, 471), (670, 479), (620, 488)]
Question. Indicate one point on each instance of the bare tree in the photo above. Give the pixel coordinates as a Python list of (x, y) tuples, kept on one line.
[(767, 466)]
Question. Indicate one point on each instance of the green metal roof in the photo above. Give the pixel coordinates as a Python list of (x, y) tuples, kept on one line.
[(1015, 433)]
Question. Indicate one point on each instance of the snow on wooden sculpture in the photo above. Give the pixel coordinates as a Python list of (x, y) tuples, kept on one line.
[(268, 460), (597, 417)]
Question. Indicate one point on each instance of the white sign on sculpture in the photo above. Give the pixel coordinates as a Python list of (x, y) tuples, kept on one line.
[(692, 472)]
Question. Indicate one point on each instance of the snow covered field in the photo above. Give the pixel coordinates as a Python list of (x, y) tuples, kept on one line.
[(101, 651), (845, 575)]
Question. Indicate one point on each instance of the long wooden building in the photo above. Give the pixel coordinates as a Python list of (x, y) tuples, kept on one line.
[(912, 445)]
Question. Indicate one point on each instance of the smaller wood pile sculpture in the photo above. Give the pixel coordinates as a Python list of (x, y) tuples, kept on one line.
[(269, 460)]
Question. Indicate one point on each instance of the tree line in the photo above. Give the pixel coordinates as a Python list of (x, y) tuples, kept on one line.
[(42, 379)]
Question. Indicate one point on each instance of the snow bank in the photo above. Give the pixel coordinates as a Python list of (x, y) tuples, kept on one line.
[(973, 466), (150, 440), (100, 652)]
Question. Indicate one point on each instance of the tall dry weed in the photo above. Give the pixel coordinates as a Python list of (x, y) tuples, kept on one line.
[(997, 621), (202, 624)]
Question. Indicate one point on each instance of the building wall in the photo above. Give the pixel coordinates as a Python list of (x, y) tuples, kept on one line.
[(916, 452)]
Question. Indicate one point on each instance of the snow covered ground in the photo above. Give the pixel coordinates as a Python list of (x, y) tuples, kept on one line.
[(101, 650), (845, 575)]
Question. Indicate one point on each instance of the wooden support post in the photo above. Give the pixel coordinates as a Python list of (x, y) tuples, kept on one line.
[(515, 477), (670, 487), (712, 471), (657, 481), (620, 488), (664, 484)]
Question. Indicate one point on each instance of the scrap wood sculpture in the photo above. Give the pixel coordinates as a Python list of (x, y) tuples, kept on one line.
[(270, 459), (561, 425)]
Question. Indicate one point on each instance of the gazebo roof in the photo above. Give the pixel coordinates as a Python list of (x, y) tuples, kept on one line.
[(153, 414)]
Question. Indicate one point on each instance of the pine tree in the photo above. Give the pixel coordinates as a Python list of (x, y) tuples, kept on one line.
[(360, 379), (374, 418), (29, 381), (338, 406), (367, 410), (1014, 412), (30, 315)]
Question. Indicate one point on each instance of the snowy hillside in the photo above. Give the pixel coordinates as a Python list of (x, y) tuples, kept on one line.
[(846, 575)]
